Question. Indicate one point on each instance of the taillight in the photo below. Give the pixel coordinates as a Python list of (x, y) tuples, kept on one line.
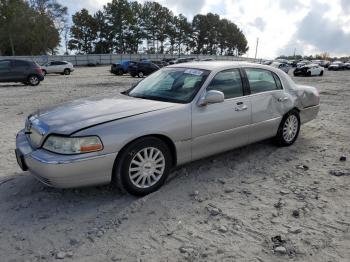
[(39, 70)]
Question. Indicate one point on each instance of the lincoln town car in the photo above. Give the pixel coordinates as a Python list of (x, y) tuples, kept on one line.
[(179, 114)]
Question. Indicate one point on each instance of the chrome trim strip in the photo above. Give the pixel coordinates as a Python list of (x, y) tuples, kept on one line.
[(70, 161)]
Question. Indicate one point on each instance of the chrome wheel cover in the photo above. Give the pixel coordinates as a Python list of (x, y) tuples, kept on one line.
[(33, 80), (147, 167), (290, 128)]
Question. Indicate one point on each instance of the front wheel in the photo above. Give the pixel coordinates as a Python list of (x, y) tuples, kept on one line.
[(289, 128), (141, 74), (66, 71), (143, 166)]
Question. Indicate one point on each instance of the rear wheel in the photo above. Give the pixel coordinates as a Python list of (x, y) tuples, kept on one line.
[(143, 167), (33, 80), (141, 74), (66, 71), (289, 128)]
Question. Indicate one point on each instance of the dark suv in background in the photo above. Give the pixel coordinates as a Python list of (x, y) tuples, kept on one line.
[(27, 72), (142, 69)]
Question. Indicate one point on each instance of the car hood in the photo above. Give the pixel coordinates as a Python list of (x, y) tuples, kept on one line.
[(70, 117)]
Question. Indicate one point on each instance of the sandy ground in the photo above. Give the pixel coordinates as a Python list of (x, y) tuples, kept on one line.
[(257, 203)]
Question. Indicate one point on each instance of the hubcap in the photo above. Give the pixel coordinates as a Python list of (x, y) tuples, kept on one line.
[(33, 80), (290, 128), (147, 167)]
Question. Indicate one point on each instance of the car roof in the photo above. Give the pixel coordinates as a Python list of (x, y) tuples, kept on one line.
[(10, 59), (219, 65)]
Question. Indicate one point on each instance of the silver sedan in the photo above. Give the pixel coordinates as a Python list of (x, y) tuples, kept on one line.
[(177, 115)]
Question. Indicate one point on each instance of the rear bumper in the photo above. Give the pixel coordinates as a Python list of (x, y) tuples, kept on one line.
[(64, 171), (309, 113)]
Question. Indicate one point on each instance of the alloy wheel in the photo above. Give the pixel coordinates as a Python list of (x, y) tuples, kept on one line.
[(290, 128), (34, 80)]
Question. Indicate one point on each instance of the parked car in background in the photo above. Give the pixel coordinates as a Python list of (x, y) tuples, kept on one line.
[(347, 64), (159, 63), (26, 72), (325, 63), (309, 70), (57, 67), (303, 62), (283, 66), (336, 66), (184, 60), (142, 69), (267, 62), (179, 114), (121, 68)]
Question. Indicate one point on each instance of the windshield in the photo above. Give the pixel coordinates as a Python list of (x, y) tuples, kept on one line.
[(177, 85)]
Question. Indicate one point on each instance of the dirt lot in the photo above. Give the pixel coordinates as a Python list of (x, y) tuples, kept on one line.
[(257, 203)]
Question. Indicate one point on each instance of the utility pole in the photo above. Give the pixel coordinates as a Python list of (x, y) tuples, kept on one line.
[(294, 52), (256, 49)]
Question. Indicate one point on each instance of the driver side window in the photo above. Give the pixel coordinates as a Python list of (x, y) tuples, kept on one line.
[(229, 82)]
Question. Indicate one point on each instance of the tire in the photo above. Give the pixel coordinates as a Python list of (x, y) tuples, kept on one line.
[(120, 72), (44, 72), (289, 128), (131, 173), (33, 80), (141, 74), (66, 71), (321, 74)]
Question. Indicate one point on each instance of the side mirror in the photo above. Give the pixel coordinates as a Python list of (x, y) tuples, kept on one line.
[(212, 97)]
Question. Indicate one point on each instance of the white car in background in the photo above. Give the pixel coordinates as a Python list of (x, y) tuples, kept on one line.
[(57, 67), (309, 70)]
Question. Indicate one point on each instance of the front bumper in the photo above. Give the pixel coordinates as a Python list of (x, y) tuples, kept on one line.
[(64, 171)]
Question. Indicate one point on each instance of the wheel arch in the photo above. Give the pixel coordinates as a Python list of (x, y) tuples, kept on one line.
[(163, 138)]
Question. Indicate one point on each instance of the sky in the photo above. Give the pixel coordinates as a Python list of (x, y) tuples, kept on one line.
[(282, 26)]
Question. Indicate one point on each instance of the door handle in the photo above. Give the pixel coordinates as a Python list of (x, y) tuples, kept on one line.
[(241, 108), (282, 99)]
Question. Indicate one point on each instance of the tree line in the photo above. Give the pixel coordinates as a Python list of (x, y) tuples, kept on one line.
[(31, 27), (38, 27), (130, 27)]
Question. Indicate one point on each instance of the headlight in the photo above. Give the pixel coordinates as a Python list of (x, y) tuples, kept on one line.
[(73, 145)]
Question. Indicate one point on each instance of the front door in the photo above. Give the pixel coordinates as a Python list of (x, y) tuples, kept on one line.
[(222, 126)]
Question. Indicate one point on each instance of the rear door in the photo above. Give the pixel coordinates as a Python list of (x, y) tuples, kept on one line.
[(222, 126), (5, 69), (269, 102)]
